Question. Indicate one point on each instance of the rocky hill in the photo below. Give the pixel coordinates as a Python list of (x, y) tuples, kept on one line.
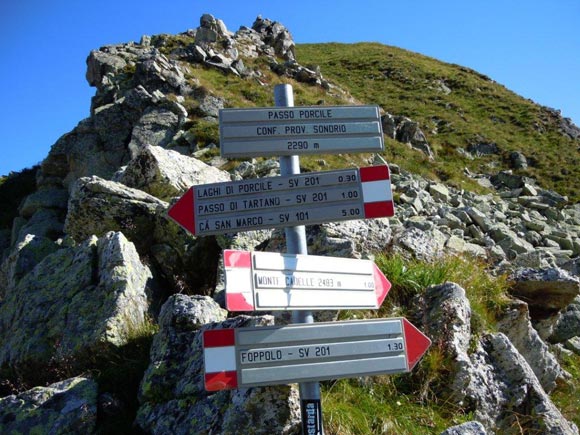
[(103, 297)]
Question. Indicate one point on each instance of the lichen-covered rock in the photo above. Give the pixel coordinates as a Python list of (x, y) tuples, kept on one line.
[(276, 36), (350, 239), (23, 258), (166, 174), (356, 238), (545, 290), (64, 407), (172, 395), (46, 223), (568, 323), (100, 63), (562, 326), (74, 300), (155, 72), (97, 206), (494, 380), (424, 245), (210, 30), (518, 328), (525, 396), (448, 324), (409, 132), (96, 146), (210, 105), (573, 344), (469, 428), (156, 127), (45, 198)]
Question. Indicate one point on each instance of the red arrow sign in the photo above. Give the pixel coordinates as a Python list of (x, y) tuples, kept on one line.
[(276, 202), (266, 281), (247, 357)]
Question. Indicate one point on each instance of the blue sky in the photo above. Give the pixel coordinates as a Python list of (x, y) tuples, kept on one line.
[(532, 47)]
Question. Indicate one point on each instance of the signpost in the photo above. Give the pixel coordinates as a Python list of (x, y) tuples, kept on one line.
[(301, 199), (303, 352), (286, 131), (270, 281), (249, 357)]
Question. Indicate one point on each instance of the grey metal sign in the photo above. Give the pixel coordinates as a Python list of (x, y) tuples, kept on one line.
[(276, 131), (247, 357), (302, 199), (265, 281)]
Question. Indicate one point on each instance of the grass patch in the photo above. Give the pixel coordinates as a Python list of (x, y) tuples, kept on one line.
[(475, 110), (206, 132), (413, 403), (258, 92), (566, 397), (169, 43), (119, 372), (487, 293), (376, 405)]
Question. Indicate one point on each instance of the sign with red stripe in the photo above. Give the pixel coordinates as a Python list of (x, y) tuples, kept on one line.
[(303, 199), (265, 281), (249, 357)]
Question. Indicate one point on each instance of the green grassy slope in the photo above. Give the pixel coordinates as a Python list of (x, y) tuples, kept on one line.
[(476, 110)]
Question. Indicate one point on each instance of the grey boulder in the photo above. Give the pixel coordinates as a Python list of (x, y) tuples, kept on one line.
[(64, 407)]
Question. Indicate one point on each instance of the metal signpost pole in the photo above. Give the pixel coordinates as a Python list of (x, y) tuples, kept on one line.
[(311, 409)]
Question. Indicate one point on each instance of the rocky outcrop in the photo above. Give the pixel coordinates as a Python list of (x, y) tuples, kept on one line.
[(406, 131), (92, 252), (563, 326), (516, 325), (74, 300), (494, 380), (511, 229), (68, 406), (97, 206), (23, 258), (470, 428), (166, 174), (545, 290), (172, 395)]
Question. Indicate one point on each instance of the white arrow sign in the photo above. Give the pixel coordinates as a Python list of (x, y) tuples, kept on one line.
[(265, 281), (275, 131), (274, 202), (248, 357)]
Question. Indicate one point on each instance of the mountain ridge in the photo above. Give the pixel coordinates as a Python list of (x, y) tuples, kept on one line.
[(97, 282)]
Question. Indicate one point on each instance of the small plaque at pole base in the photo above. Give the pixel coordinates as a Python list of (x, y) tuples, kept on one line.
[(311, 417)]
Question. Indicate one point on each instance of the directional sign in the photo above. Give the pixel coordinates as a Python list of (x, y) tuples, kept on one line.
[(303, 199), (248, 357), (276, 131), (265, 281)]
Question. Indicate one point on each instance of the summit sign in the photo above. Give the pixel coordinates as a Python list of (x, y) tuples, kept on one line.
[(301, 130)]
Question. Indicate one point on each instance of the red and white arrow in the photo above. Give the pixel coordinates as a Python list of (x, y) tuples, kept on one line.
[(276, 202), (266, 281), (247, 357)]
